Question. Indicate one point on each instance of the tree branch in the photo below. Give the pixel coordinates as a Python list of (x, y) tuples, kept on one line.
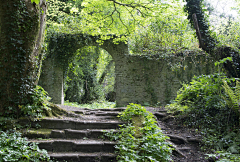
[(132, 5), (119, 16), (194, 17)]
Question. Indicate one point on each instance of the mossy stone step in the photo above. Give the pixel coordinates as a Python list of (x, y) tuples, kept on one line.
[(67, 133), (87, 146), (83, 157), (55, 123)]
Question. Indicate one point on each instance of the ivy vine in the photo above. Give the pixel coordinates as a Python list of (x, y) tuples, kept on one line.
[(18, 34)]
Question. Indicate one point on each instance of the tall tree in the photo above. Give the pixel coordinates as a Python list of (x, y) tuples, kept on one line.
[(207, 41), (21, 33)]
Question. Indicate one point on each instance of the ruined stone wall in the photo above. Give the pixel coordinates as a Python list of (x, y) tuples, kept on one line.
[(52, 80), (147, 80), (139, 79)]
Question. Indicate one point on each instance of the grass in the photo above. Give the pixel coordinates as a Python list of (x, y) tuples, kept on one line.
[(94, 105)]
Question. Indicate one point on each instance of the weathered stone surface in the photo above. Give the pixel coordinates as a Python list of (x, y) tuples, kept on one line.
[(84, 157), (77, 134), (57, 134), (72, 124), (65, 145), (147, 80), (47, 145), (141, 79), (99, 125), (177, 139), (51, 80), (62, 146), (160, 115), (65, 157), (81, 141)]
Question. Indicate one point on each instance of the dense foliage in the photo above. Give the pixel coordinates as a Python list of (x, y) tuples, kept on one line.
[(142, 140), (205, 106), (84, 74), (165, 34), (15, 148), (203, 102)]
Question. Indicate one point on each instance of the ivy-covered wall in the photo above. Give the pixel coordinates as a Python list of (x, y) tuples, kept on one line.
[(149, 80), (61, 48)]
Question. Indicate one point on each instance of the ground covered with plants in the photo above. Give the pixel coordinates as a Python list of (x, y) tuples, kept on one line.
[(210, 105), (140, 139), (13, 147)]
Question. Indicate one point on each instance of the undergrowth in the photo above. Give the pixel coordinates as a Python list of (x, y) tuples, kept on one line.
[(140, 140), (204, 104), (15, 148)]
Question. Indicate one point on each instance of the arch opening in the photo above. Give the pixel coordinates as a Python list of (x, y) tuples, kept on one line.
[(90, 75), (61, 53)]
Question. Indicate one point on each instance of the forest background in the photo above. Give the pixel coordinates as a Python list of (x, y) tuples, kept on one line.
[(150, 27), (161, 29)]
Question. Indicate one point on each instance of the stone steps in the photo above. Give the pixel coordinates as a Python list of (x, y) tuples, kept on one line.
[(67, 133), (83, 157), (72, 123), (185, 143), (66, 145), (77, 138)]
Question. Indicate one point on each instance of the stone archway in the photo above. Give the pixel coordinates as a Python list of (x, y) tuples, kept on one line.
[(139, 79), (51, 78)]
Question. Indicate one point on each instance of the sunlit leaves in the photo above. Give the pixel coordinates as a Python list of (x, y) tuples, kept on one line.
[(169, 31), (36, 1), (106, 17)]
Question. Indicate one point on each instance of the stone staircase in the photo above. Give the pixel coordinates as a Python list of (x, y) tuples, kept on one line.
[(79, 137), (186, 142)]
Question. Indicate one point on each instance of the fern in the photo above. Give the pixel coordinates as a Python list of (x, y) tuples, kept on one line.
[(234, 96)]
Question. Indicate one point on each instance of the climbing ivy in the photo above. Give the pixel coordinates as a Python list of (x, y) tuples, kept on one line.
[(209, 40), (19, 53), (195, 7)]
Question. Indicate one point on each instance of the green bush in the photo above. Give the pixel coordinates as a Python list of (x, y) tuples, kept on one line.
[(37, 103), (15, 148), (140, 140), (203, 104)]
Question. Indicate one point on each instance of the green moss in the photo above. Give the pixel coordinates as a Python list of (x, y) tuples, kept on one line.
[(40, 131), (138, 123)]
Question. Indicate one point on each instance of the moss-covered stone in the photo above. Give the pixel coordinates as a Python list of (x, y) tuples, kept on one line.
[(138, 122)]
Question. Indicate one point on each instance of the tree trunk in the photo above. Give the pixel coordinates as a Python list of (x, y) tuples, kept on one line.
[(209, 43), (21, 35)]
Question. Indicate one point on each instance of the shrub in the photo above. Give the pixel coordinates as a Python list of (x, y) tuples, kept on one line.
[(210, 102), (203, 104), (140, 140), (37, 104)]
